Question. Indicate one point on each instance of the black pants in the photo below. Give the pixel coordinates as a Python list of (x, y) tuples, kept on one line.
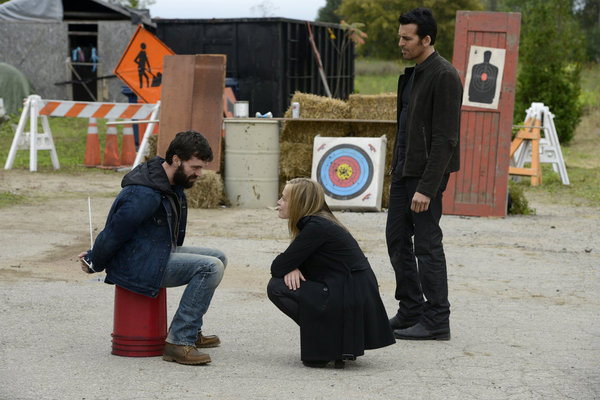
[(287, 300), (421, 277)]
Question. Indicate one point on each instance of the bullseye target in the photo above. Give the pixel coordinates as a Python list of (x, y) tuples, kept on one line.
[(350, 171), (345, 171)]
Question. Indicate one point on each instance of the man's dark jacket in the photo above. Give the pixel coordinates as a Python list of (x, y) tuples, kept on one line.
[(341, 313), (146, 222), (432, 124)]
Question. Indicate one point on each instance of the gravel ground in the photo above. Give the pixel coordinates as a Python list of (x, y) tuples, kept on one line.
[(525, 294)]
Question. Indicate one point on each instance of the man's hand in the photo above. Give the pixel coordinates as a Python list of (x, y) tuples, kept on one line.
[(292, 279), (420, 202), (84, 266)]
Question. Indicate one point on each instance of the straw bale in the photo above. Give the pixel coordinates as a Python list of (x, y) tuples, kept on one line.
[(151, 149), (305, 132), (295, 159), (207, 192), (374, 107), (313, 106)]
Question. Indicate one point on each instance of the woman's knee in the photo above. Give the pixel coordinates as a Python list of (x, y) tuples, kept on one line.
[(274, 287)]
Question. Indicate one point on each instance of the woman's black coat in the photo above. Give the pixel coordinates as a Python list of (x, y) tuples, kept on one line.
[(341, 312)]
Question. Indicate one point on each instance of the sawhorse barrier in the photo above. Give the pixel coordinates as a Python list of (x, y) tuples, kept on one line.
[(37, 108), (530, 146)]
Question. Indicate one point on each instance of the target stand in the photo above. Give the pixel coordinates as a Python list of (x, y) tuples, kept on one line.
[(350, 171)]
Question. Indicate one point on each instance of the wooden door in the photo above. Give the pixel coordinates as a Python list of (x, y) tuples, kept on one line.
[(486, 46)]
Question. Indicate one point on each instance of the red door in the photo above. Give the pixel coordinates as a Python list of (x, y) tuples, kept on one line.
[(486, 46)]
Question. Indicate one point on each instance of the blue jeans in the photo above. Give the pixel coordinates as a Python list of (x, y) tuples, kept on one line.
[(201, 269)]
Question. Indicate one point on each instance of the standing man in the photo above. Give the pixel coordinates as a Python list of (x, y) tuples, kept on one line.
[(426, 151), (141, 245)]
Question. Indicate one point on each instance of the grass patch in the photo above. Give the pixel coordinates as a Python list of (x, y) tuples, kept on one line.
[(10, 199), (69, 135), (376, 76), (584, 188)]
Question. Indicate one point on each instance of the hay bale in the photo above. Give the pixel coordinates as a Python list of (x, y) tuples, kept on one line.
[(374, 107), (151, 149), (207, 192), (315, 107), (295, 160), (305, 132), (321, 107)]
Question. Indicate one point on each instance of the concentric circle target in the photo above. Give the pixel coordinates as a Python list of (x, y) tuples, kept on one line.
[(345, 171)]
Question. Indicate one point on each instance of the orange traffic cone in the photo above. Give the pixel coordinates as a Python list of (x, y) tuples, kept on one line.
[(111, 147), (128, 146), (92, 146)]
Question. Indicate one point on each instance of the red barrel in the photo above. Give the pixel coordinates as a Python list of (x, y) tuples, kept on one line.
[(140, 324)]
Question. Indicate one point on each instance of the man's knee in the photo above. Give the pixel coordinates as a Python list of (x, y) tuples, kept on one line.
[(219, 269), (223, 259)]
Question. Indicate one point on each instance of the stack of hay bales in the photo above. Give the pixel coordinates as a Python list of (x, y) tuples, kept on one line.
[(296, 141), (208, 191)]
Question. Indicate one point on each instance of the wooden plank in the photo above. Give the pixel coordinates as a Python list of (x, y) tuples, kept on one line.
[(192, 98)]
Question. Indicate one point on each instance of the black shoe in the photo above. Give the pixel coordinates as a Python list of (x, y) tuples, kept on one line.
[(400, 323), (419, 332), (315, 363)]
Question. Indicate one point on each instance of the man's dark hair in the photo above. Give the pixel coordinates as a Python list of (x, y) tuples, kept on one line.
[(189, 144), (423, 18)]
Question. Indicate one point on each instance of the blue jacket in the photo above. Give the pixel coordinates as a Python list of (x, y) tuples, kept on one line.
[(144, 225)]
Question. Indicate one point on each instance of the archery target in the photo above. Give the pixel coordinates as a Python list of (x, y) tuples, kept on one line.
[(350, 171)]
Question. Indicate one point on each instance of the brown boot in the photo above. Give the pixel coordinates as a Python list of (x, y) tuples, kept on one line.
[(184, 354), (204, 342)]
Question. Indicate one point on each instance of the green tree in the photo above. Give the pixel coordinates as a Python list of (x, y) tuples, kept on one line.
[(588, 14), (550, 56), (381, 22), (327, 13)]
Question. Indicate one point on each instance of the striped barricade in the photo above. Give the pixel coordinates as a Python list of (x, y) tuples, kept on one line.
[(35, 107)]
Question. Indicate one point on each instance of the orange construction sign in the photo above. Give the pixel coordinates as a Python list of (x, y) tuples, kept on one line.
[(141, 65)]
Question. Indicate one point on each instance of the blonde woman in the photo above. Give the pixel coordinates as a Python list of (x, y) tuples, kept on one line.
[(324, 282)]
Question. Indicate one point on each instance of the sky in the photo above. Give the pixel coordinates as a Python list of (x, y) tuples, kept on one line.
[(200, 9)]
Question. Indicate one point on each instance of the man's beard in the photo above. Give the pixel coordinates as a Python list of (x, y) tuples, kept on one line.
[(181, 179)]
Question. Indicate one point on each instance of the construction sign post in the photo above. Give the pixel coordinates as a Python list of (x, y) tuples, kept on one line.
[(141, 65)]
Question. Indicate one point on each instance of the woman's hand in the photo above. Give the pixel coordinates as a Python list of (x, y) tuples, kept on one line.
[(292, 279)]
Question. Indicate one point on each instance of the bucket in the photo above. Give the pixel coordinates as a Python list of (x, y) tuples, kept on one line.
[(252, 162), (140, 324)]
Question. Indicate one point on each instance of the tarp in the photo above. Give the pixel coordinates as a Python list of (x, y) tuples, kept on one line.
[(32, 10), (14, 87)]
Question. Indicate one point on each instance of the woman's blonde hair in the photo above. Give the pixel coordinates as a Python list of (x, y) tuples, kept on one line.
[(306, 197)]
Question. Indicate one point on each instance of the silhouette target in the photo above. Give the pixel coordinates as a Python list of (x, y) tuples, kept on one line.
[(483, 81), (345, 171)]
